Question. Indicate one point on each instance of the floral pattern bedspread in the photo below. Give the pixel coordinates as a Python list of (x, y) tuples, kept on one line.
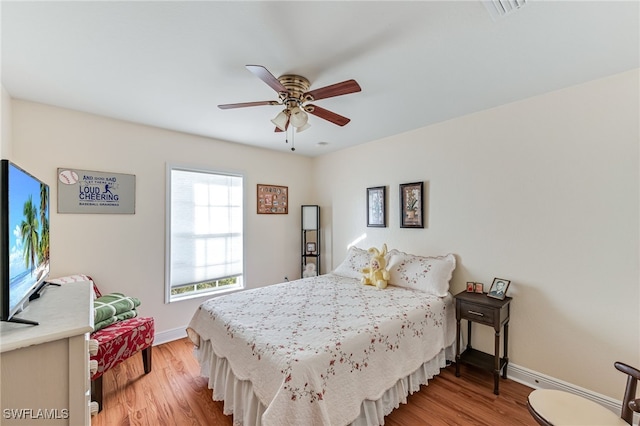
[(315, 348)]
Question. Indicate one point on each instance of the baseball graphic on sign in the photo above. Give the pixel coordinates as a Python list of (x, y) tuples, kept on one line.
[(68, 177)]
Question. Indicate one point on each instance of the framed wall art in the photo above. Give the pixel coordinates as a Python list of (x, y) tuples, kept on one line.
[(273, 199), (87, 191), (376, 207), (412, 205)]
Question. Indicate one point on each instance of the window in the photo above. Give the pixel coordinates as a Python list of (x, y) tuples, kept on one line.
[(205, 232)]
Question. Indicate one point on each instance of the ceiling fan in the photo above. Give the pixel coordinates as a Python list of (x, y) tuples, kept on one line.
[(294, 94)]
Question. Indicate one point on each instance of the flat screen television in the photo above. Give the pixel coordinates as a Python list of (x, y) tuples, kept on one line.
[(24, 239)]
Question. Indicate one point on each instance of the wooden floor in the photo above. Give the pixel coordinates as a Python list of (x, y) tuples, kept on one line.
[(174, 394)]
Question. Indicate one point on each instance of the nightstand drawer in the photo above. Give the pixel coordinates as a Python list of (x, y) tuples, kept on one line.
[(477, 313)]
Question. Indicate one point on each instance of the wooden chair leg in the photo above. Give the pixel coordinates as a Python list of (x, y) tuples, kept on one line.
[(146, 359), (96, 392)]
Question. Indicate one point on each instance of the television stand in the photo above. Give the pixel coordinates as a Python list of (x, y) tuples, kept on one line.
[(22, 321), (36, 294)]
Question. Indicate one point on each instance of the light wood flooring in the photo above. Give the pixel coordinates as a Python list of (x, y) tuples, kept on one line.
[(174, 394)]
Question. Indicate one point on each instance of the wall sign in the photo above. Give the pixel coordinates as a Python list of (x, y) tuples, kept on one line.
[(85, 191)]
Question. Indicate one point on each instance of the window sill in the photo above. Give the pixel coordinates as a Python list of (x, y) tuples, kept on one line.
[(205, 294)]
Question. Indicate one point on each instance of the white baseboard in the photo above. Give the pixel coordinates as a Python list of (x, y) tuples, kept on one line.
[(537, 380), (169, 336)]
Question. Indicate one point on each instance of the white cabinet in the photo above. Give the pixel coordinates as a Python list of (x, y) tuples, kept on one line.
[(45, 368)]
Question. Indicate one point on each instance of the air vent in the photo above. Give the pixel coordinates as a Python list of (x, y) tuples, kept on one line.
[(501, 8)]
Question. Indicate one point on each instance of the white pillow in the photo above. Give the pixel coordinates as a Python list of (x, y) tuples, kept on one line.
[(428, 274), (390, 254), (352, 265)]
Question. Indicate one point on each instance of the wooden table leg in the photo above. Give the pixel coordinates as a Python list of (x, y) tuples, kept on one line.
[(457, 348), (506, 346), (496, 364)]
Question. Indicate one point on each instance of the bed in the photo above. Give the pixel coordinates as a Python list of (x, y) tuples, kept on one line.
[(328, 350)]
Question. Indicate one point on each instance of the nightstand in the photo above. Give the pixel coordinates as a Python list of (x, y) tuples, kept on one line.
[(481, 309)]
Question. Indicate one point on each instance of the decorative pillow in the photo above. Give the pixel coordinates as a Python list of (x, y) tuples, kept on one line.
[(75, 278), (428, 274), (391, 253), (352, 265)]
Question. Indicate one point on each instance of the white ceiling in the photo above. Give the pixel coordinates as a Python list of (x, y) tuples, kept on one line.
[(169, 64)]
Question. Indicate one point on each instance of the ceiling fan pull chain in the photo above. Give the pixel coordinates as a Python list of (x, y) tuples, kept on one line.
[(293, 148)]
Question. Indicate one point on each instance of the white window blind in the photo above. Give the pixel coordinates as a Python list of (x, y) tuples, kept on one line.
[(206, 227)]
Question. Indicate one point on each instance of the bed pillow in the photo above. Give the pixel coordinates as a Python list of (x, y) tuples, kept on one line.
[(424, 273), (390, 254), (352, 265)]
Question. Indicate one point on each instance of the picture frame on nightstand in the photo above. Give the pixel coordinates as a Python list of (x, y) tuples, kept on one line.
[(499, 288)]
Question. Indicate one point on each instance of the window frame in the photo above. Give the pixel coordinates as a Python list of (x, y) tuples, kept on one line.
[(170, 167)]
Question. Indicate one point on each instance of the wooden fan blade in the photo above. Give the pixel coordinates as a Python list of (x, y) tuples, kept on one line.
[(248, 104), (263, 74), (327, 115), (338, 89)]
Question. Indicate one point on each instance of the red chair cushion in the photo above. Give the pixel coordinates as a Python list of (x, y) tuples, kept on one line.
[(121, 340)]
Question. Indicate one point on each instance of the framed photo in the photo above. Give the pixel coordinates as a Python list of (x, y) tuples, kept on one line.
[(499, 288), (411, 205), (311, 248), (470, 287), (479, 288), (376, 207), (273, 199)]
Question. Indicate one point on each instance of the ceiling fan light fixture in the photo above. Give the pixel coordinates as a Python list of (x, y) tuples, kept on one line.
[(299, 118), (281, 120), (302, 128)]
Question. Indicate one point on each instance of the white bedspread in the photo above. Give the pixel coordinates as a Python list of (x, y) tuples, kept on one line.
[(314, 349)]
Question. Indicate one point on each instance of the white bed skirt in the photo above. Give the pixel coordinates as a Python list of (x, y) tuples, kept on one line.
[(241, 402)]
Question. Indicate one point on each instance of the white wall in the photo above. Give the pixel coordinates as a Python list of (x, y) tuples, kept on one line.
[(543, 192), (5, 123), (126, 252)]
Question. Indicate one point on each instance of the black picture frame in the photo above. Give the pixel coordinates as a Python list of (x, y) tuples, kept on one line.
[(376, 207), (412, 205), (499, 288)]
